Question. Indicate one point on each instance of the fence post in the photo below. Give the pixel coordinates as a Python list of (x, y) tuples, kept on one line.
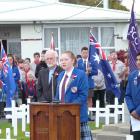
[(13, 109), (107, 115), (14, 120), (123, 110), (97, 113), (23, 111), (8, 135), (116, 111), (28, 110)]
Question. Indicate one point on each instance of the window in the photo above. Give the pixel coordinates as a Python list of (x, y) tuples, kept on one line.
[(47, 37), (107, 36), (14, 48), (74, 38)]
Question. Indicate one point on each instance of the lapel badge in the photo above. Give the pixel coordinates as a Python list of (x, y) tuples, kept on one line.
[(74, 89)]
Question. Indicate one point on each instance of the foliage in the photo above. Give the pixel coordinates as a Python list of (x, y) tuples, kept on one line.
[(113, 4)]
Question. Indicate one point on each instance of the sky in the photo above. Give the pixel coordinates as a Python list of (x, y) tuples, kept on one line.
[(128, 4)]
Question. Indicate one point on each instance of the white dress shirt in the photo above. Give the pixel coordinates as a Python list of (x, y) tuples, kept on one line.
[(69, 76)]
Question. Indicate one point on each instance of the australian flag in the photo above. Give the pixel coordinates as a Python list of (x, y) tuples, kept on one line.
[(93, 54), (134, 41), (8, 79), (99, 56)]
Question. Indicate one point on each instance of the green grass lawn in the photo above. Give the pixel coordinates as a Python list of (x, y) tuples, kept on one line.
[(5, 124), (21, 136)]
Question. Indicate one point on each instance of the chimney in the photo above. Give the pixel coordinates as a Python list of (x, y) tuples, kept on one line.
[(105, 4)]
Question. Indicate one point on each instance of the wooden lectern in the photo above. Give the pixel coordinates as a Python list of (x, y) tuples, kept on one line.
[(50, 121)]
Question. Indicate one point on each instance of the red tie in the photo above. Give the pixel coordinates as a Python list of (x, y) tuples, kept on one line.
[(63, 88)]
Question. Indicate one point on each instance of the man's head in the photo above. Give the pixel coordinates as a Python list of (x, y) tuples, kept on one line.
[(113, 56), (84, 52), (51, 58), (36, 57), (138, 60), (11, 59), (43, 55)]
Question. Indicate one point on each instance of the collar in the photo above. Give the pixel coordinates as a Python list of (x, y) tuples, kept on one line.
[(70, 72), (85, 59), (138, 73)]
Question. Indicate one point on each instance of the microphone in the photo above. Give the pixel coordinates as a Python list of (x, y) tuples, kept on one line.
[(53, 99)]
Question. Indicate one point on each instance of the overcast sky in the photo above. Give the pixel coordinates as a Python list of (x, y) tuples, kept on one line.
[(128, 4)]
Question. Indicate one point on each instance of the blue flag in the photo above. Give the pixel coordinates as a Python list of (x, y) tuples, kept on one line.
[(8, 80), (134, 41), (104, 66)]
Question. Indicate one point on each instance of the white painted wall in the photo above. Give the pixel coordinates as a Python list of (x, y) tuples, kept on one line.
[(121, 29), (31, 40)]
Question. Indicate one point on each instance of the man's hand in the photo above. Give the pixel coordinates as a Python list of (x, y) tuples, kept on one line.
[(135, 115), (88, 70)]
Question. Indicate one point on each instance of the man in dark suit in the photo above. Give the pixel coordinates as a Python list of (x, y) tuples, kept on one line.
[(47, 77), (42, 64), (90, 69)]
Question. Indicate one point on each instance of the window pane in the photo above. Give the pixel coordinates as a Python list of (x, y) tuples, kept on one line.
[(14, 48), (47, 37), (107, 38), (74, 39), (94, 31)]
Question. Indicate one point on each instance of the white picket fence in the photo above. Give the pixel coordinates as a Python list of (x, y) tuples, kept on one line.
[(106, 112), (22, 113), (15, 113)]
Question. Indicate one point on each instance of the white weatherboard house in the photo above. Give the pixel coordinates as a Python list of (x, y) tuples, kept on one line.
[(26, 26)]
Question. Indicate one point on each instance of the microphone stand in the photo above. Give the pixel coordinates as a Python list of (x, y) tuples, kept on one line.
[(52, 88), (53, 100)]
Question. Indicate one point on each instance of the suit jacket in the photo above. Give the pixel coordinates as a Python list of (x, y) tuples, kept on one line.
[(133, 92), (94, 71), (44, 88), (76, 92), (39, 67)]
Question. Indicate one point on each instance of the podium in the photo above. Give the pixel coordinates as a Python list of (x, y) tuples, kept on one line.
[(50, 121)]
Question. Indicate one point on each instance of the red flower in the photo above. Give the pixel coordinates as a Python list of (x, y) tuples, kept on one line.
[(56, 74), (73, 76)]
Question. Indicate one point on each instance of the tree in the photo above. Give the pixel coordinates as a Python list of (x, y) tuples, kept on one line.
[(113, 4)]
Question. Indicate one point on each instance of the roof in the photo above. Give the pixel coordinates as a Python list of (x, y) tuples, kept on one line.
[(56, 12)]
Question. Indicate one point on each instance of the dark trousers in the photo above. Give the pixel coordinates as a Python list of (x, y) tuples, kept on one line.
[(2, 106), (110, 97), (136, 135), (99, 95)]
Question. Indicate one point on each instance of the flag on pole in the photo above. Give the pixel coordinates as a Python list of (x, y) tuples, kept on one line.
[(104, 66), (93, 55), (52, 45), (134, 41), (8, 79)]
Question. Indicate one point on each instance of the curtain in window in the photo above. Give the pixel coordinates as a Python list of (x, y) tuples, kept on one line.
[(107, 36), (74, 39)]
